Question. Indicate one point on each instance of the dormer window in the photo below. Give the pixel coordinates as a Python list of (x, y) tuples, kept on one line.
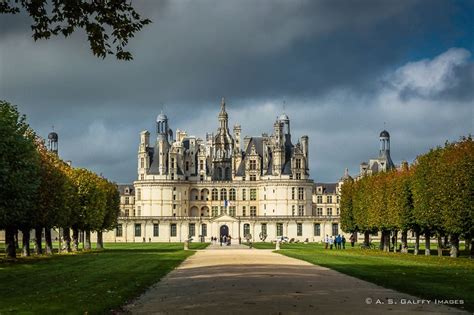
[(298, 163), (253, 165)]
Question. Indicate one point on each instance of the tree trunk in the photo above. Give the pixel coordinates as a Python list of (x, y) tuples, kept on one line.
[(48, 241), (87, 242), (75, 239), (454, 246), (366, 238), (404, 242), (38, 240), (440, 245), (382, 240), (445, 241), (417, 243), (10, 249), (25, 251), (471, 252), (427, 243), (468, 243), (67, 239), (100, 240), (386, 244), (395, 237), (17, 245)]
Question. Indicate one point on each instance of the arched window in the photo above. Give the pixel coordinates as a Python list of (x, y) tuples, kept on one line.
[(223, 194), (215, 194), (232, 194)]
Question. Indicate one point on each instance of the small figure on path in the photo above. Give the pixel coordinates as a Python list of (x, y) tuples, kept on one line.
[(331, 242), (352, 239), (220, 239), (326, 242), (343, 239)]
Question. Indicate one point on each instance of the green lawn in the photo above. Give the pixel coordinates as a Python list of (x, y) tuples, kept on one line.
[(428, 277), (93, 282)]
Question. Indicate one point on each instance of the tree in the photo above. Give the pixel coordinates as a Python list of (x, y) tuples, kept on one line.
[(456, 191), (108, 24), (92, 204), (18, 173), (348, 223), (112, 210)]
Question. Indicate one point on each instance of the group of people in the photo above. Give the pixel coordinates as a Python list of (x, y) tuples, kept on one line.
[(223, 240), (339, 242)]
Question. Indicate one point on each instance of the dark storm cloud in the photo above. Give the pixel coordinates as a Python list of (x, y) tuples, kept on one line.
[(325, 58)]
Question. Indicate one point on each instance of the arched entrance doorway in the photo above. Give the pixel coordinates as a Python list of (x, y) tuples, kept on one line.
[(224, 230)]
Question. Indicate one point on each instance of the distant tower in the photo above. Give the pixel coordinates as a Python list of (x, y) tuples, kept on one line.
[(162, 130), (53, 142), (163, 133), (384, 152)]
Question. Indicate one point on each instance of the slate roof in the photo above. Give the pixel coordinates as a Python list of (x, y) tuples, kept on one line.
[(328, 188), (121, 189)]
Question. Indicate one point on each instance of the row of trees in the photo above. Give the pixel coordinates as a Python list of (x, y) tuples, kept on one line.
[(433, 197), (39, 191)]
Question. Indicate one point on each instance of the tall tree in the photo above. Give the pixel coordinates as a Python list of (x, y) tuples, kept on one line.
[(456, 191), (112, 210), (348, 223), (109, 25), (18, 173)]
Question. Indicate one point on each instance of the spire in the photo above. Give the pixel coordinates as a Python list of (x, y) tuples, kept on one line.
[(223, 105)]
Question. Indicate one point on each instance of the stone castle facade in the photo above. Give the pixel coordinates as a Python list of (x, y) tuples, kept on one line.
[(255, 187)]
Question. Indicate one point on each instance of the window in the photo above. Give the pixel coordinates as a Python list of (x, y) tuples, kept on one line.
[(138, 230), (319, 211), (337, 211), (223, 194), (253, 165), (299, 229), (187, 166), (173, 229), (264, 229), (244, 194), (298, 163), (293, 195), (201, 165), (214, 195), (232, 194), (298, 175), (253, 178), (279, 229), (156, 229), (317, 229), (119, 230), (253, 194), (192, 229), (319, 199), (293, 210), (139, 211), (329, 199), (301, 210), (172, 176), (215, 211), (127, 212), (253, 211), (338, 199), (139, 194), (300, 193), (142, 177), (172, 163), (204, 229), (247, 230), (201, 177), (223, 210), (232, 211), (335, 229), (127, 200), (329, 211), (243, 211)]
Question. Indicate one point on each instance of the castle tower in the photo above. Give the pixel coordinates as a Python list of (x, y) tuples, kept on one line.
[(384, 152), (53, 142), (163, 134)]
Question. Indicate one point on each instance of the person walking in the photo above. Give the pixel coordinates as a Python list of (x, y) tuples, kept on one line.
[(339, 242), (331, 242), (343, 240), (352, 239), (326, 242)]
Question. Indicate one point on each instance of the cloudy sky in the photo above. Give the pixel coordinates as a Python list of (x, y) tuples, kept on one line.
[(345, 69)]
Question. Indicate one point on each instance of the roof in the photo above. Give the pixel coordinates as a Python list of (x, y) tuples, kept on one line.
[(384, 134), (122, 187), (328, 188)]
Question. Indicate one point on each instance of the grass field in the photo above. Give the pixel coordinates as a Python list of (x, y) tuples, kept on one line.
[(428, 277), (93, 282)]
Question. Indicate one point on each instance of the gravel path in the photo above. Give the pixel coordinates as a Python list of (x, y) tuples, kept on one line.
[(241, 280)]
